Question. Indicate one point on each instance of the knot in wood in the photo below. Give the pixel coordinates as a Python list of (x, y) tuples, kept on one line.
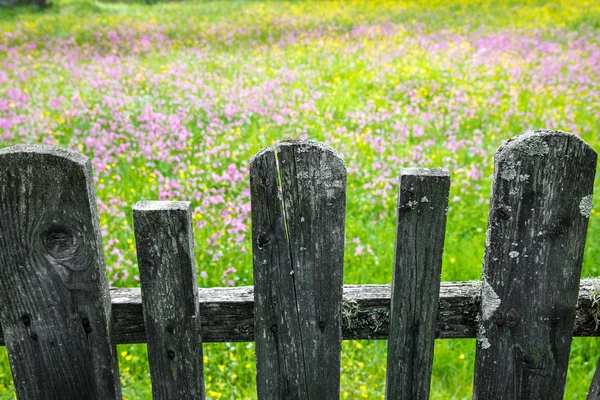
[(263, 240), (60, 243), (26, 320), (86, 325), (512, 318), (557, 227), (171, 354), (501, 212), (274, 329)]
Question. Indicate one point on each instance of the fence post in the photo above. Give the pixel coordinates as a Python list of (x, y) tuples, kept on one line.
[(298, 212), (165, 247), (54, 298), (541, 202), (421, 226)]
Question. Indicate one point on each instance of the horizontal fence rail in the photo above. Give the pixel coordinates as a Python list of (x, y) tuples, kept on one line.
[(227, 313)]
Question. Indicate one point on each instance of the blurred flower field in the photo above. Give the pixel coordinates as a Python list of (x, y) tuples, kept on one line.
[(171, 101)]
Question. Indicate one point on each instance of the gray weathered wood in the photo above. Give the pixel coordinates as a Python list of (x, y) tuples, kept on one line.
[(421, 226), (541, 202), (165, 248), (298, 248), (227, 313), (54, 297)]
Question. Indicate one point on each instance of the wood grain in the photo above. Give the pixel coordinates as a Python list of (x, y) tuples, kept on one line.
[(54, 297), (298, 248), (165, 251), (535, 241), (421, 227)]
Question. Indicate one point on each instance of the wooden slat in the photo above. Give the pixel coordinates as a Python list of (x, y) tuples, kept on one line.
[(165, 249), (298, 247), (227, 313), (421, 226), (539, 212), (54, 297)]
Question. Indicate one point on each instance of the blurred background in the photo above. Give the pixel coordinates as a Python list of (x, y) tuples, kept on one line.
[(171, 100)]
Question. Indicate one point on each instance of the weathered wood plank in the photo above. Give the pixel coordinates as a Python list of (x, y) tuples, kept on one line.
[(541, 201), (227, 313), (421, 226), (313, 184), (279, 364), (54, 297), (298, 247), (165, 250)]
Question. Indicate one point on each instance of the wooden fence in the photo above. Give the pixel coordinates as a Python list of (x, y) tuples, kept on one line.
[(60, 321)]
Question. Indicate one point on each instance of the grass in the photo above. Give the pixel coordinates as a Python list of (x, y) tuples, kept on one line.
[(170, 101)]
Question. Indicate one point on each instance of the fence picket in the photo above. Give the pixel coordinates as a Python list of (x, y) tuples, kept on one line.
[(165, 246), (421, 225), (541, 199), (298, 249), (54, 297)]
